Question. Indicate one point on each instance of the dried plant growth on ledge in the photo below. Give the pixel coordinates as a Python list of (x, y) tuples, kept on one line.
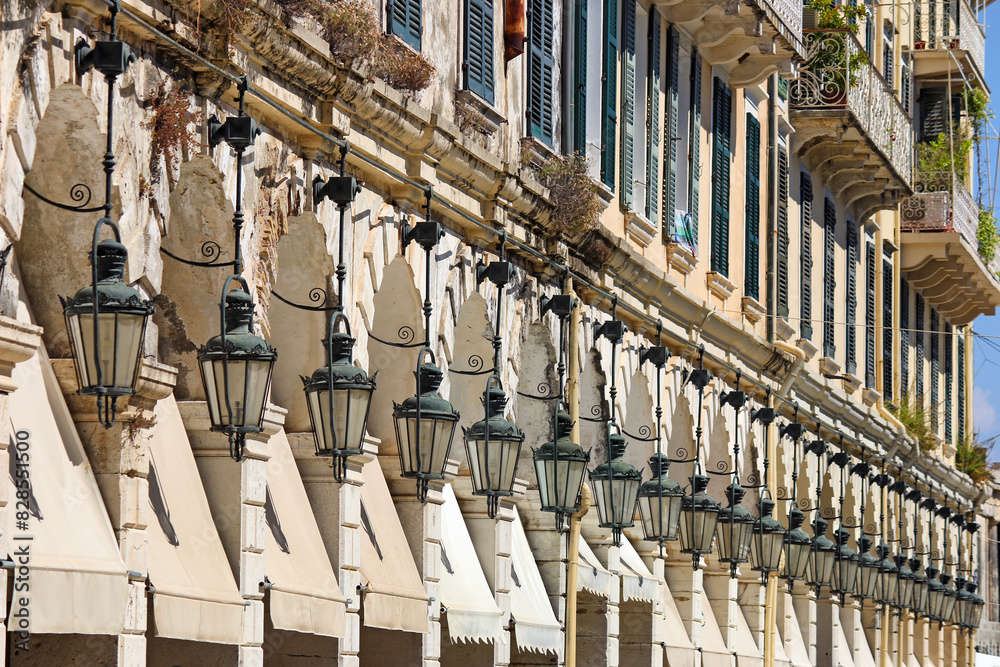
[(575, 198), (171, 126)]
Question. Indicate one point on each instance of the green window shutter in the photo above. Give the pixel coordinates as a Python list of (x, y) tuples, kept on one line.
[(949, 342), (887, 304), (609, 93), (961, 385), (905, 83), (904, 337), (782, 88), (933, 115), (752, 261), (888, 63), (871, 266), (540, 67), (653, 120), (722, 102), (935, 343), (694, 159), (781, 272), (479, 48), (670, 131), (580, 74), (405, 21), (918, 343), (851, 356), (805, 257), (829, 278), (628, 104)]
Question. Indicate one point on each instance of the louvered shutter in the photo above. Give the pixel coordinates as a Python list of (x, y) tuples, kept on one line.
[(806, 257), (781, 272), (405, 21), (918, 340), (904, 337), (670, 131), (721, 150), (888, 62), (935, 341), (479, 48), (540, 66), (887, 305), (829, 278), (851, 356), (580, 74), (752, 261), (949, 342), (694, 166), (609, 93), (653, 121), (905, 83), (933, 114), (628, 104), (960, 383), (871, 266)]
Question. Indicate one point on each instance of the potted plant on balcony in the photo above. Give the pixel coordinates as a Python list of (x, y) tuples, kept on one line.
[(832, 59)]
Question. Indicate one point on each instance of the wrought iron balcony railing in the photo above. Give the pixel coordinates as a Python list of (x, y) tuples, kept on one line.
[(838, 76), (789, 12), (949, 24)]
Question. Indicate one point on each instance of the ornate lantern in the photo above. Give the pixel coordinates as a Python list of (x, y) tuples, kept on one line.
[(921, 588), (868, 571), (425, 427), (904, 589), (236, 371), (936, 592), (888, 576), (950, 598), (964, 604), (798, 546), (768, 540), (845, 570), (734, 528), (616, 487), (492, 448), (660, 502), (976, 613), (819, 572), (699, 516), (559, 467), (339, 397)]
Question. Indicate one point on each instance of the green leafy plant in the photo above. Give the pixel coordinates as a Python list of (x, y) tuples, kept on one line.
[(937, 155), (914, 414), (171, 122), (830, 60), (972, 457), (574, 195), (987, 236)]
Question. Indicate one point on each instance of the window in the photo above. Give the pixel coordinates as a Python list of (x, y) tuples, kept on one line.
[(871, 264), (904, 337), (887, 303), (694, 155), (829, 277), (935, 340), (948, 370), (722, 105), (851, 354), (671, 130), (628, 104), (905, 84), (887, 54), (653, 119), (609, 93), (540, 66), (961, 385), (752, 262), (782, 224), (405, 21), (478, 64), (805, 258), (918, 343), (579, 96)]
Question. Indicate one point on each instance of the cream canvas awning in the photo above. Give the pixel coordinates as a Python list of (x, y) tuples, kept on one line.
[(747, 653), (591, 575), (304, 594), (714, 652), (78, 583), (638, 583), (196, 595), (986, 660), (472, 613), (680, 652), (396, 598), (535, 626), (797, 651)]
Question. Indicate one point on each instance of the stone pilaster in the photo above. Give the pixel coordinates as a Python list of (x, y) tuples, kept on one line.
[(751, 595), (337, 508), (828, 648), (18, 342), (804, 601), (119, 457), (591, 640), (850, 620), (722, 590), (236, 493), (549, 548), (650, 553), (686, 585)]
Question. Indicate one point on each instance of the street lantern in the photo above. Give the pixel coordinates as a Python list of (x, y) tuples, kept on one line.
[(492, 448), (819, 572), (888, 576), (236, 370), (921, 588), (339, 397), (699, 516), (616, 487), (106, 333), (936, 592), (976, 614), (559, 468), (904, 589), (660, 502), (964, 604), (797, 547), (845, 571), (950, 598), (734, 528), (768, 540), (868, 571), (425, 427)]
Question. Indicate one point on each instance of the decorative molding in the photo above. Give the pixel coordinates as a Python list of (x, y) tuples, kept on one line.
[(680, 258), (782, 329), (807, 347), (828, 366), (752, 309), (719, 285), (639, 228), (870, 396), (852, 383)]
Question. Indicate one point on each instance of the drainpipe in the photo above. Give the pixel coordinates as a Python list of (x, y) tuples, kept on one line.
[(573, 548), (772, 203)]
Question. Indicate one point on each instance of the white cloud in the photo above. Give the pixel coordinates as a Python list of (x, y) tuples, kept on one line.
[(984, 412)]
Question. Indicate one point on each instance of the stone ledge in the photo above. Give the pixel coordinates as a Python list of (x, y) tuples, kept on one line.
[(18, 342), (719, 285), (783, 330), (639, 229), (807, 347), (753, 310), (680, 258), (870, 396), (828, 366), (851, 383)]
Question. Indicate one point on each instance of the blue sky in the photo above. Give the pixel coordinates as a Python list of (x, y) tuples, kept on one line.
[(986, 394)]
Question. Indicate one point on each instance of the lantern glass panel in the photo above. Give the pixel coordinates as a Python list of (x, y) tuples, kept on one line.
[(868, 581), (698, 530), (492, 467), (120, 337), (766, 551), (559, 482), (796, 559), (248, 381), (660, 518), (344, 426), (845, 576), (734, 540), (424, 447), (615, 499)]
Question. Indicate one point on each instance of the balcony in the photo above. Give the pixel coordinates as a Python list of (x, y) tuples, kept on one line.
[(760, 36), (940, 253), (945, 29), (851, 131)]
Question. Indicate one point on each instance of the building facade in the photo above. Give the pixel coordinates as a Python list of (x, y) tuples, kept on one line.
[(778, 195)]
